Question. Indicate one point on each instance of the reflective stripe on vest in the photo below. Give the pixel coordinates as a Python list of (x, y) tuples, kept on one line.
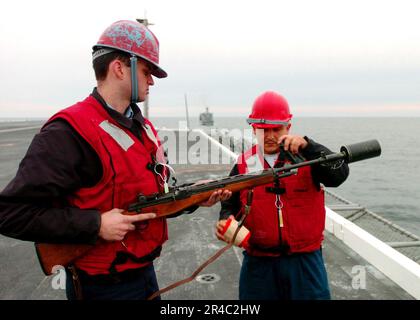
[(122, 138), (253, 163)]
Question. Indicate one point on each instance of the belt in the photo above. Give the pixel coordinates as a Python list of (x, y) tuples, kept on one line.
[(109, 279), (279, 250)]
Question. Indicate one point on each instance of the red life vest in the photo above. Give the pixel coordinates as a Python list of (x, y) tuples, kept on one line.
[(303, 211), (124, 160)]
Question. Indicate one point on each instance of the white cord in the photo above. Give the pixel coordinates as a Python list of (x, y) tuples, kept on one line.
[(163, 178)]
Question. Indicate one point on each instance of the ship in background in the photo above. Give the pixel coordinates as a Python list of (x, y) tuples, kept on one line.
[(206, 118)]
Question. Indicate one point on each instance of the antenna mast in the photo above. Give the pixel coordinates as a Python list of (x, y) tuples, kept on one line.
[(186, 110)]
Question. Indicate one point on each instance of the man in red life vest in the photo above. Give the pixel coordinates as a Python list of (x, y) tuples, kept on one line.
[(282, 257), (88, 163)]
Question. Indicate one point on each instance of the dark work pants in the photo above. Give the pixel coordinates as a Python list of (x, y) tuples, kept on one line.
[(143, 285), (294, 277)]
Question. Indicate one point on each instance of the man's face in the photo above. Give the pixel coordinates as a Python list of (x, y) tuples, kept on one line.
[(269, 138), (145, 79)]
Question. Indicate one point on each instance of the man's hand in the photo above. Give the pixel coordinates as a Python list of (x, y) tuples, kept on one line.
[(219, 195), (293, 143), (115, 225)]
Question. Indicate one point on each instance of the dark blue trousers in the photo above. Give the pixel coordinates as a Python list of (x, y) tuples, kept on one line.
[(140, 287), (293, 277)]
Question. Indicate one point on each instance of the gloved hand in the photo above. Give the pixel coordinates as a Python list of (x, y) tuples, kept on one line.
[(225, 230)]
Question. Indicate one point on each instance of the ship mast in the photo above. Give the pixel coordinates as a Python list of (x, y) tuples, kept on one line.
[(186, 111)]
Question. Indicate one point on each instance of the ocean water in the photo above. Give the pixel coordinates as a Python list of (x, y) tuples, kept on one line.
[(388, 185)]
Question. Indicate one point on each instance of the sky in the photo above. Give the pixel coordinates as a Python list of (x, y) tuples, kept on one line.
[(328, 58)]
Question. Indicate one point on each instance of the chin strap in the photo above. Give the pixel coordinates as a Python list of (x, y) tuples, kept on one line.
[(134, 82)]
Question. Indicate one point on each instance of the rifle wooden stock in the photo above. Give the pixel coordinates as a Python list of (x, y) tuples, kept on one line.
[(53, 255)]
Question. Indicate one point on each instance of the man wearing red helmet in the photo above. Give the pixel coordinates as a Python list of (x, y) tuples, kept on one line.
[(282, 257), (88, 163)]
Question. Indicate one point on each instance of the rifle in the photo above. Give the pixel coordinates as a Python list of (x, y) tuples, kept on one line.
[(182, 197)]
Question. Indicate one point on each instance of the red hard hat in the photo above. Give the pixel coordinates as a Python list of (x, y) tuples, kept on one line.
[(131, 37), (270, 110)]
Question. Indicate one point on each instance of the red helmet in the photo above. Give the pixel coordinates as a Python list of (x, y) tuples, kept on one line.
[(131, 37), (270, 110)]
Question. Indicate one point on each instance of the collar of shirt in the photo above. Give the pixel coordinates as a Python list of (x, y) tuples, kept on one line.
[(128, 112), (123, 120), (271, 159)]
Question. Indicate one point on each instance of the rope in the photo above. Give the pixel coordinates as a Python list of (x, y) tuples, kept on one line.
[(212, 258)]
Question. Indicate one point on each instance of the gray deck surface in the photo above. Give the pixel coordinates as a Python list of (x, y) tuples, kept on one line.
[(191, 242)]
